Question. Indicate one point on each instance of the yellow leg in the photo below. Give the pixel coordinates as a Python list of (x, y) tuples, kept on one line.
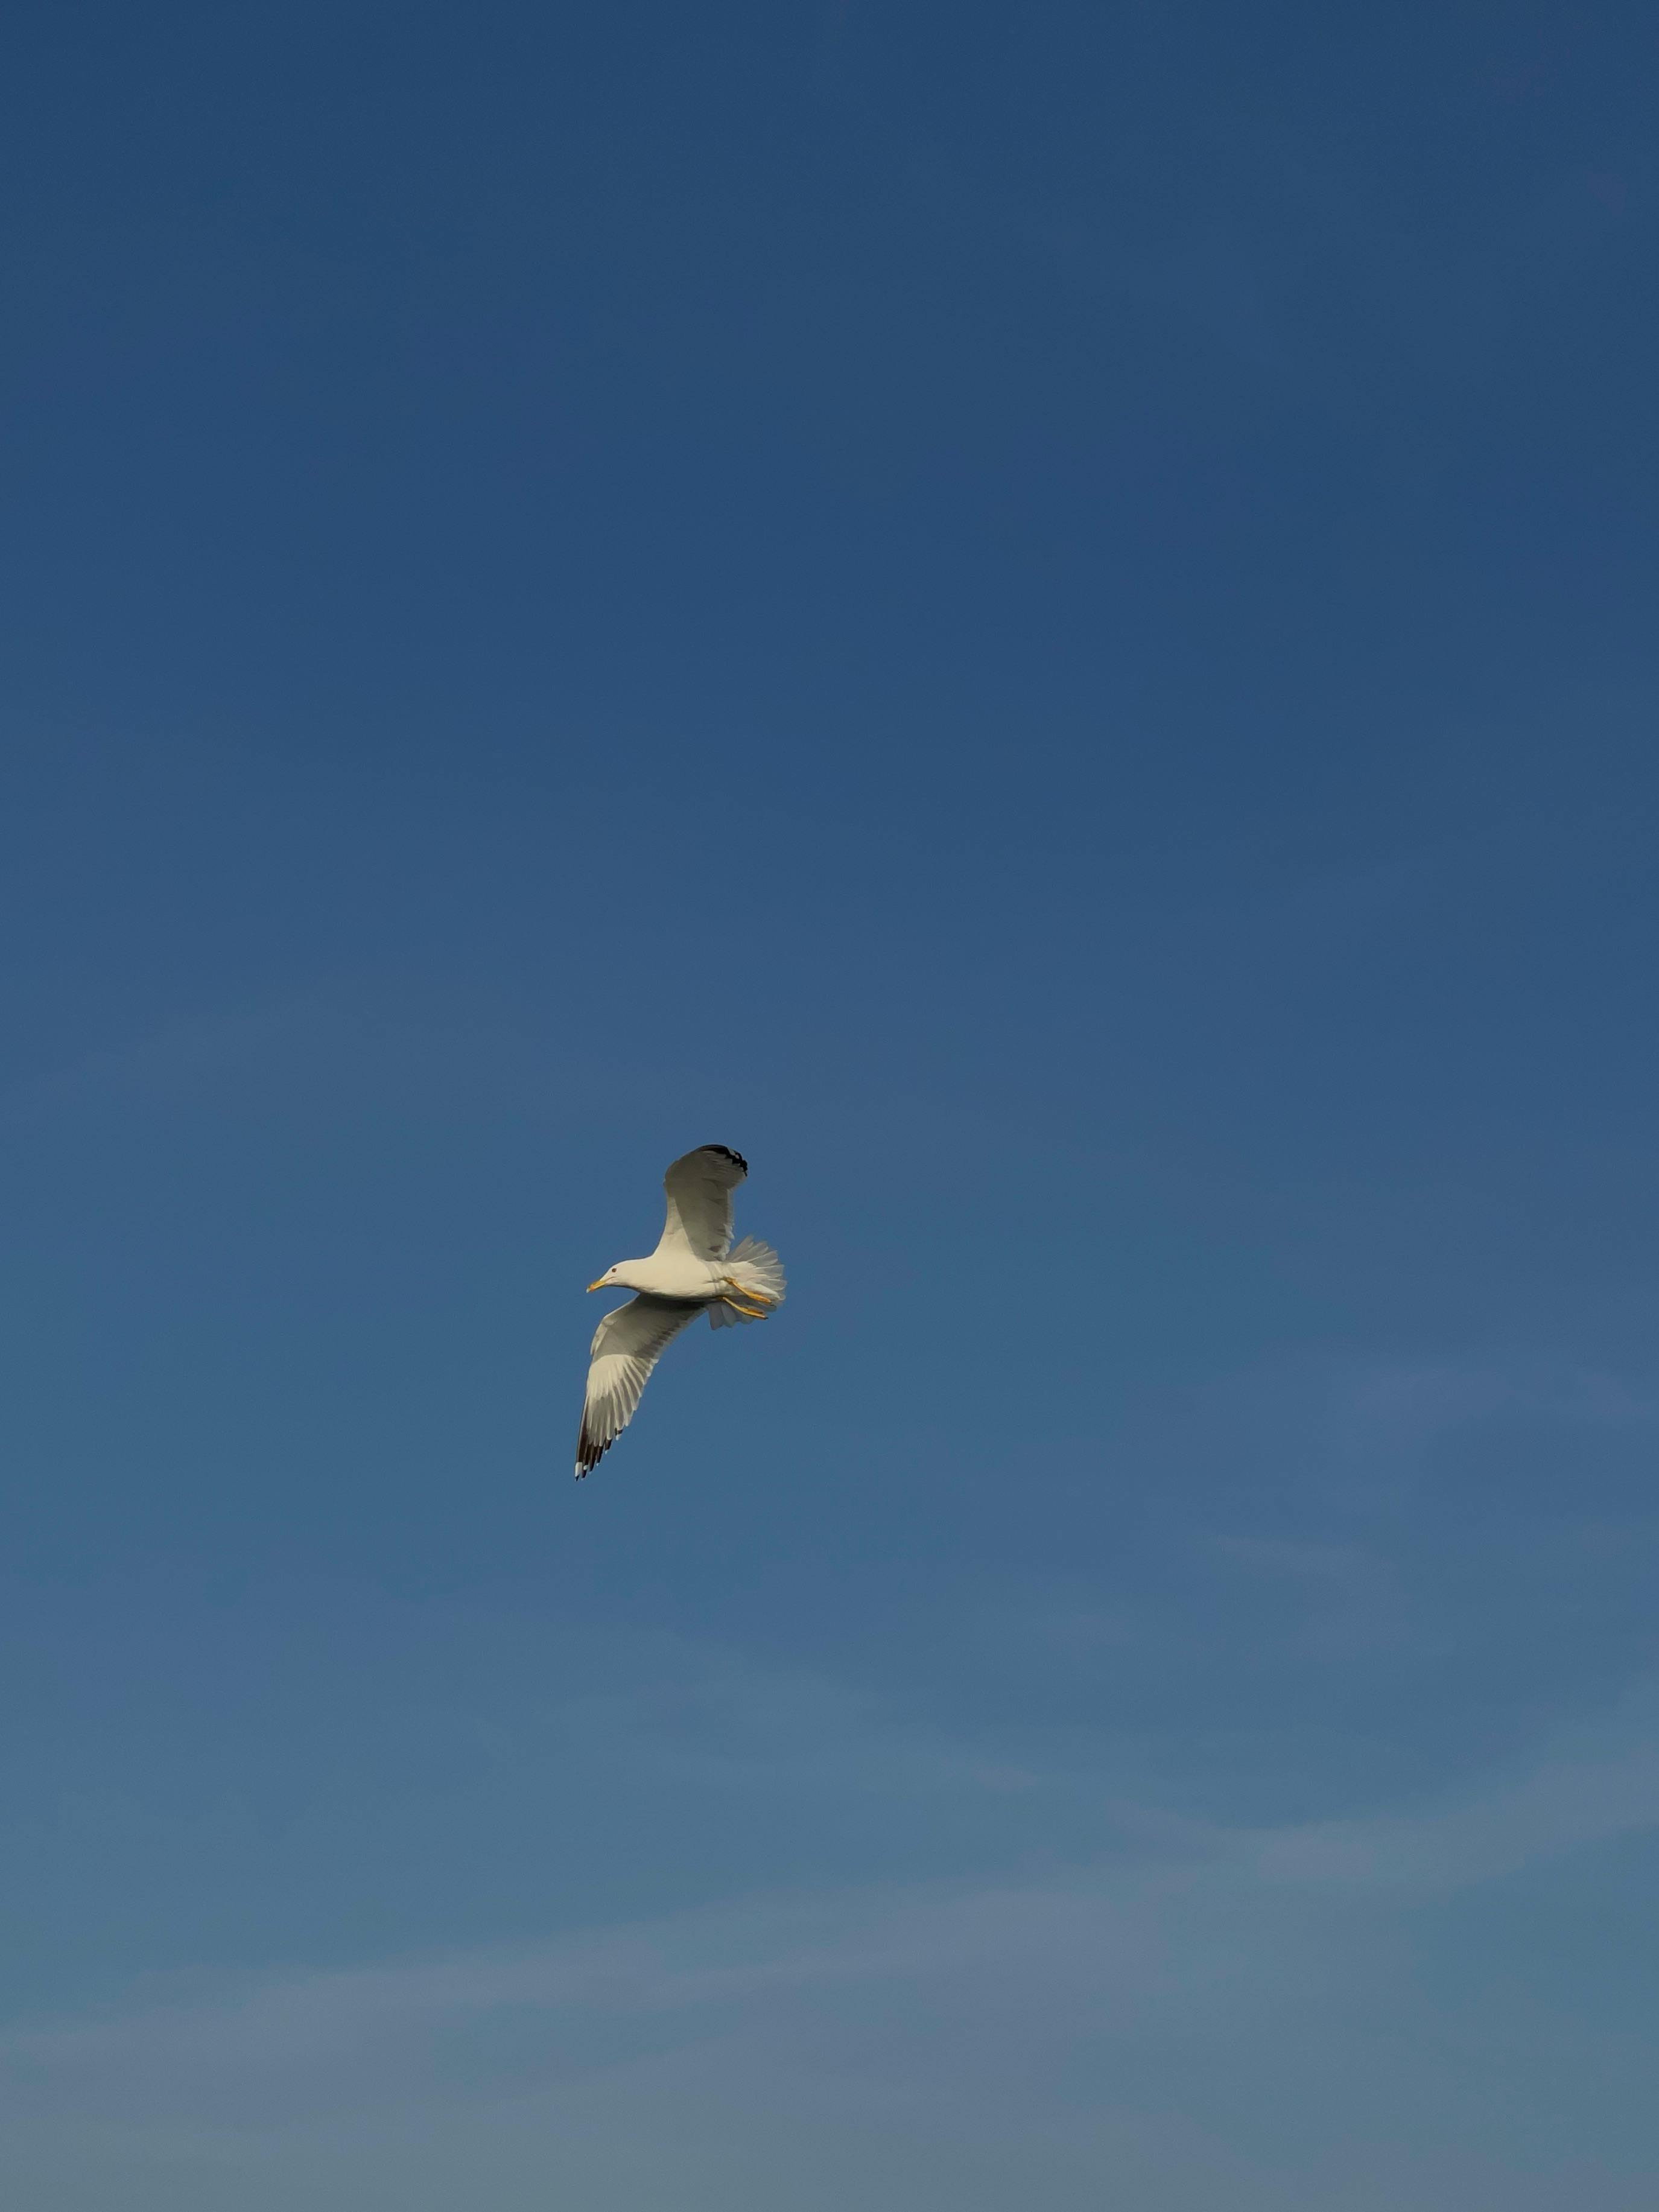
[(753, 1313), (763, 1298)]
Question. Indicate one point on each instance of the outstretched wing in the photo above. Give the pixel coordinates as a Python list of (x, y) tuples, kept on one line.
[(700, 1185), (627, 1346)]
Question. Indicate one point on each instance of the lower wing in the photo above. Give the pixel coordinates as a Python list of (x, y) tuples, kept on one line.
[(627, 1346)]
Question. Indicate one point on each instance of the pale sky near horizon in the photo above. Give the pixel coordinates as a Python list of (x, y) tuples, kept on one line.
[(1041, 619)]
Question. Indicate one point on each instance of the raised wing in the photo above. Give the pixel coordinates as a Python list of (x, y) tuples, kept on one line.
[(700, 1185), (627, 1344)]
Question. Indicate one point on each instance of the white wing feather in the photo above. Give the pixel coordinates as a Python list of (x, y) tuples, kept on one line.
[(627, 1344), (700, 1185)]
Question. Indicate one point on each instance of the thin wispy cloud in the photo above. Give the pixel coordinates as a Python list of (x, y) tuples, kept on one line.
[(775, 2014)]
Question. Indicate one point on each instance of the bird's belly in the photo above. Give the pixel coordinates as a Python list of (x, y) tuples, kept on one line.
[(680, 1279)]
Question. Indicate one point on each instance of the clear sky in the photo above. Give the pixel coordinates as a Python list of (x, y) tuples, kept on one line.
[(1041, 617)]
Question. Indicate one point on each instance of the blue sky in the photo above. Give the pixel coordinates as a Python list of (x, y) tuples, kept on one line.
[(1043, 619)]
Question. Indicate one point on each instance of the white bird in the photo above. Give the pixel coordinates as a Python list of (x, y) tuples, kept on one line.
[(693, 1270)]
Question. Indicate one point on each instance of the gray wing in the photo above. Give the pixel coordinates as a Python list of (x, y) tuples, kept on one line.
[(700, 1185), (627, 1344)]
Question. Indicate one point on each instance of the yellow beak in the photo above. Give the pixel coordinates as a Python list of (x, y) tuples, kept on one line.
[(594, 1286)]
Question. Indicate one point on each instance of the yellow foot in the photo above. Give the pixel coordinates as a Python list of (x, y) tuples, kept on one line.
[(751, 1313), (763, 1298)]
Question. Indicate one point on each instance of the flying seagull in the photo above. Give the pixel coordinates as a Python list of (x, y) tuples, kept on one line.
[(693, 1270)]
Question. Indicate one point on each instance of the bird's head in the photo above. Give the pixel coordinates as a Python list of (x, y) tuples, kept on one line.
[(612, 1277)]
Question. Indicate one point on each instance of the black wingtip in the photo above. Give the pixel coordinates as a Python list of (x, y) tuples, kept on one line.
[(726, 1153), (589, 1454)]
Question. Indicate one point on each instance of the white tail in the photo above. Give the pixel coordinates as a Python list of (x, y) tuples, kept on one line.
[(756, 1267)]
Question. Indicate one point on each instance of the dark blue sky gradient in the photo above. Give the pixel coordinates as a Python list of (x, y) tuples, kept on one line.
[(1042, 618)]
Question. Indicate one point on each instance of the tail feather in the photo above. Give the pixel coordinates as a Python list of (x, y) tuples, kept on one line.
[(754, 1266)]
